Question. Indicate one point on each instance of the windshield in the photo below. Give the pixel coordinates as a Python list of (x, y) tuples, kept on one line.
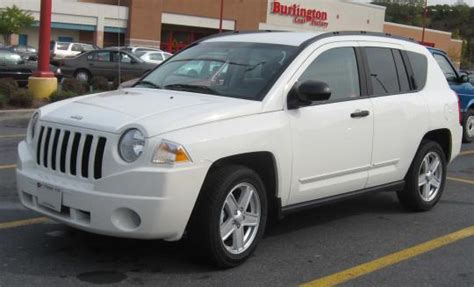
[(238, 70)]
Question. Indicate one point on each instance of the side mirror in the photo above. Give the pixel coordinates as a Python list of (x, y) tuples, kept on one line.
[(464, 78), (306, 93)]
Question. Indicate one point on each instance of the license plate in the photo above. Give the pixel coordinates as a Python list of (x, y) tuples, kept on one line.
[(49, 196)]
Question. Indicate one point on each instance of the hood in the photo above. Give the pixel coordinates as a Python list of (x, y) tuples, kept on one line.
[(156, 111)]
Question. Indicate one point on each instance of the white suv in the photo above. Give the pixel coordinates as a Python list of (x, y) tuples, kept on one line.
[(242, 127)]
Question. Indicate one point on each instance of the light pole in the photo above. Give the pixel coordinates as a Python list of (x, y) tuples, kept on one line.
[(44, 38), (43, 82)]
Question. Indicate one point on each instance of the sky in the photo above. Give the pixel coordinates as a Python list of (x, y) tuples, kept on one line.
[(435, 2)]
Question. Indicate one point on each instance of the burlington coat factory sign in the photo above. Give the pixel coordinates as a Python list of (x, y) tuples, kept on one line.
[(301, 15)]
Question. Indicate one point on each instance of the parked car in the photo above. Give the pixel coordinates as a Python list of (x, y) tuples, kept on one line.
[(14, 66), (63, 50), (277, 122), (105, 63), (28, 53), (461, 83), (135, 49), (154, 57)]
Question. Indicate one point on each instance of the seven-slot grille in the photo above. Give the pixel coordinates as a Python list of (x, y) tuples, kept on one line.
[(70, 152)]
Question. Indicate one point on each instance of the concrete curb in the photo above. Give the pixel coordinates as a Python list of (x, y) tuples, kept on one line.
[(16, 114)]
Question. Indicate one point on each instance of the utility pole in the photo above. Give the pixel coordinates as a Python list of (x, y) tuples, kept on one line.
[(221, 16), (425, 12)]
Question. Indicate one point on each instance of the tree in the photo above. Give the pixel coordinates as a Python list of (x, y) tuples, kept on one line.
[(12, 20)]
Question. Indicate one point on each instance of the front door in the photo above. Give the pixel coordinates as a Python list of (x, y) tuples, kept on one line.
[(332, 140)]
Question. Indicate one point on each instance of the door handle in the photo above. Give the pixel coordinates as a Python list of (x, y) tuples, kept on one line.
[(360, 114)]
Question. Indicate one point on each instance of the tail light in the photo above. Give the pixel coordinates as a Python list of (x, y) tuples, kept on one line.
[(459, 109)]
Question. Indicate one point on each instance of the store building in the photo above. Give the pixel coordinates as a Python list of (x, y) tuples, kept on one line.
[(173, 24)]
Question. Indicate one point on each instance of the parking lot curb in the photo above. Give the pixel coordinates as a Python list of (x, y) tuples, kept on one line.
[(16, 114)]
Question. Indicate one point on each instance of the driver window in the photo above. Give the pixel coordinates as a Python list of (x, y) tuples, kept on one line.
[(446, 67), (338, 68)]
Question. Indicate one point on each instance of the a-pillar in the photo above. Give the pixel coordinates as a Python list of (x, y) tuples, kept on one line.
[(43, 82)]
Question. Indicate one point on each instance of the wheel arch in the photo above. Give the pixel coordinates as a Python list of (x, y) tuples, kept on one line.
[(443, 138), (264, 164)]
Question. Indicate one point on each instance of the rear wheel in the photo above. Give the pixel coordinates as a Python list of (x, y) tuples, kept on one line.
[(82, 75), (230, 216), (425, 179), (468, 126)]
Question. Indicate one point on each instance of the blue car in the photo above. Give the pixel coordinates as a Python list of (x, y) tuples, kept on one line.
[(460, 83)]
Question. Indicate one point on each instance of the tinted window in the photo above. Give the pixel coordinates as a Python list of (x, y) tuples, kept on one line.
[(62, 46), (446, 67), (100, 56), (382, 71), (338, 68), (156, 56), (401, 72), (419, 65), (76, 48)]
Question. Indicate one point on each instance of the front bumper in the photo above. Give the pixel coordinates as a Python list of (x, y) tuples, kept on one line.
[(147, 203)]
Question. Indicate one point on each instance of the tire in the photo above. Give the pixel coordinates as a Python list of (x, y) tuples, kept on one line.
[(468, 126), (82, 75), (213, 212), (417, 197)]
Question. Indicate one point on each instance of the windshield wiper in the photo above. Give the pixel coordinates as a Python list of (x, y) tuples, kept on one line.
[(148, 83), (192, 88)]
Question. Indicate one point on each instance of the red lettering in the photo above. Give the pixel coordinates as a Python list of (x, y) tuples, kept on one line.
[(276, 7)]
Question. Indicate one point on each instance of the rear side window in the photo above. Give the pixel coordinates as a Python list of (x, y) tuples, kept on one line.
[(383, 73), (338, 68), (419, 65)]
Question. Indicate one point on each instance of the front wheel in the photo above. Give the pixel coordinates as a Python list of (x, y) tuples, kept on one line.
[(468, 126), (230, 216), (425, 179)]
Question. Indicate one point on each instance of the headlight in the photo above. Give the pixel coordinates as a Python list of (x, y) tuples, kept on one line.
[(131, 145), (170, 153), (33, 122), (58, 71)]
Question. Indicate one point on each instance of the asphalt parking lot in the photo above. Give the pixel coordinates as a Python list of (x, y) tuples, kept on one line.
[(367, 241)]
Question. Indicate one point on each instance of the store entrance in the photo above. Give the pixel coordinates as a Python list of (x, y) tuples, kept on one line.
[(175, 38)]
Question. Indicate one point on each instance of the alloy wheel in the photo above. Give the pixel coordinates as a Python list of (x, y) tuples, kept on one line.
[(240, 218), (430, 176)]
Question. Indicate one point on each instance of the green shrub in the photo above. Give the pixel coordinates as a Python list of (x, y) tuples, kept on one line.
[(22, 99), (100, 84), (74, 86), (61, 95), (3, 101), (8, 87)]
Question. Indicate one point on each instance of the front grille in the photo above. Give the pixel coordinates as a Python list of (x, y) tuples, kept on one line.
[(70, 152)]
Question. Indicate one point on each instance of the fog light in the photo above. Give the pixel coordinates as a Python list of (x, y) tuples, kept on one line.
[(126, 219)]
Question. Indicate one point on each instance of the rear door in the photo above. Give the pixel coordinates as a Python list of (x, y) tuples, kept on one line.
[(399, 112), (100, 64)]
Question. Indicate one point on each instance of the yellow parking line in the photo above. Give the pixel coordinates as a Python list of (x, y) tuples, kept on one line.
[(12, 136), (466, 152), (391, 259), (458, 179), (7, 166), (18, 223)]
